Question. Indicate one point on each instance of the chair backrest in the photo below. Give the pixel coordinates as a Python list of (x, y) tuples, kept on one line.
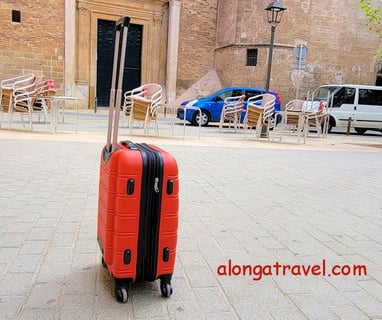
[(148, 91), (22, 91), (44, 89), (233, 107), (254, 111), (149, 94), (294, 105), (6, 85), (253, 115), (127, 102), (268, 104), (154, 91)]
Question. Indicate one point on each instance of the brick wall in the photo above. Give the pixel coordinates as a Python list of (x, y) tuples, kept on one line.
[(338, 41), (214, 34), (197, 40)]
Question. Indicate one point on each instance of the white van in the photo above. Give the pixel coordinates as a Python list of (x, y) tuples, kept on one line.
[(359, 104)]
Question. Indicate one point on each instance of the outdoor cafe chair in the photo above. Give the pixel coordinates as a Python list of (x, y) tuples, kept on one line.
[(23, 92), (259, 115), (145, 101), (317, 119), (231, 112), (292, 119), (41, 99), (6, 93)]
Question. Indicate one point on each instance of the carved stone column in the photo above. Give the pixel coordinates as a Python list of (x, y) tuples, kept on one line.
[(70, 47), (156, 44), (83, 33), (172, 49)]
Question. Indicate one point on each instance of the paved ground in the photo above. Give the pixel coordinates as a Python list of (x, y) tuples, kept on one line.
[(258, 204)]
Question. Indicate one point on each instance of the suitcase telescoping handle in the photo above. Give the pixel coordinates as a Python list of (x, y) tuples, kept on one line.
[(121, 26)]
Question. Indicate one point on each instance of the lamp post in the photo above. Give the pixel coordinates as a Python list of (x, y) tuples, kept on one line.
[(275, 11)]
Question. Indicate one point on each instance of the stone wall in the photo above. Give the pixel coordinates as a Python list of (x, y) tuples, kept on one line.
[(36, 44)]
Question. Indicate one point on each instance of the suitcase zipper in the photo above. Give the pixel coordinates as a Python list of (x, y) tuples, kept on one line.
[(156, 185), (151, 196)]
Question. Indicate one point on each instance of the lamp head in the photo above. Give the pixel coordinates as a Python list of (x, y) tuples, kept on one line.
[(275, 11)]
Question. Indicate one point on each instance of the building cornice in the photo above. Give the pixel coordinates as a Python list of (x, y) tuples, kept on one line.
[(253, 44)]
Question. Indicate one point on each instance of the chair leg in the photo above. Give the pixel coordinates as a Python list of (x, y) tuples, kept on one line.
[(1, 118), (30, 118), (131, 125), (156, 128), (220, 124), (22, 120), (44, 110), (10, 119)]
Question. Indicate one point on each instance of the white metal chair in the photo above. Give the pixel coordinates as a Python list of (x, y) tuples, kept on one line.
[(259, 114), (145, 101), (126, 107), (42, 99), (23, 93), (231, 112), (6, 94), (292, 119), (268, 103), (318, 119)]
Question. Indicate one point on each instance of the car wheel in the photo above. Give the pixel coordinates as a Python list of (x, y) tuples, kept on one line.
[(202, 116), (360, 130), (331, 124)]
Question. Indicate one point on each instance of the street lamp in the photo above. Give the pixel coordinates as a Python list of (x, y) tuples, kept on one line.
[(275, 11)]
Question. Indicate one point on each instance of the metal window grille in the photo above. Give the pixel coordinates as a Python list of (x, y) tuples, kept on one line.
[(252, 57)]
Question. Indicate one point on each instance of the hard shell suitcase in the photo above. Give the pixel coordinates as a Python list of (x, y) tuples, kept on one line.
[(138, 202)]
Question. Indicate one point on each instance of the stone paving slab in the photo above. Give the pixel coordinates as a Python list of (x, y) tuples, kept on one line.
[(241, 203)]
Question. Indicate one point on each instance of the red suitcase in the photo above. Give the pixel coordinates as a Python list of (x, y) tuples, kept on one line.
[(138, 203)]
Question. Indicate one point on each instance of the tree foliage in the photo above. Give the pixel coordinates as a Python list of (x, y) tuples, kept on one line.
[(373, 15)]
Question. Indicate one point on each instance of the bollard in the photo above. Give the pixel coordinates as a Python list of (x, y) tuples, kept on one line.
[(349, 125)]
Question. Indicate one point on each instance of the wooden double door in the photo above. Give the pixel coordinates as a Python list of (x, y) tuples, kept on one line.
[(105, 54)]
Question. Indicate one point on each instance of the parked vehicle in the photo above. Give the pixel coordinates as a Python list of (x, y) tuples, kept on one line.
[(212, 105), (359, 104)]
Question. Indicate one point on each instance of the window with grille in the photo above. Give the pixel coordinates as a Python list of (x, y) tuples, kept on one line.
[(251, 57)]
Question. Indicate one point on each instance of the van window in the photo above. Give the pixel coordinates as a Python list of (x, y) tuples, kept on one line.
[(344, 95), (370, 97), (323, 93)]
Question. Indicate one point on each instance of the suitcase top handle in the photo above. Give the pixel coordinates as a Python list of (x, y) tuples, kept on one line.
[(122, 22), (121, 28)]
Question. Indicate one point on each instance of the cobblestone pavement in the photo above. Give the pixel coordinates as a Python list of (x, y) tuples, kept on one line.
[(248, 210)]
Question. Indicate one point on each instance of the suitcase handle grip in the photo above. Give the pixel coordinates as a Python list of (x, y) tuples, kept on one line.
[(122, 22)]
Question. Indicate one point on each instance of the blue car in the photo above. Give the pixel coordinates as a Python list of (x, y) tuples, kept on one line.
[(212, 105)]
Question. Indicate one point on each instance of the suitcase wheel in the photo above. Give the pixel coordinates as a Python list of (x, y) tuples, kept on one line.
[(166, 289), (121, 294), (103, 263)]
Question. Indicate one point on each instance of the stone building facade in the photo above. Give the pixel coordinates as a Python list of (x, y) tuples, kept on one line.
[(191, 47)]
